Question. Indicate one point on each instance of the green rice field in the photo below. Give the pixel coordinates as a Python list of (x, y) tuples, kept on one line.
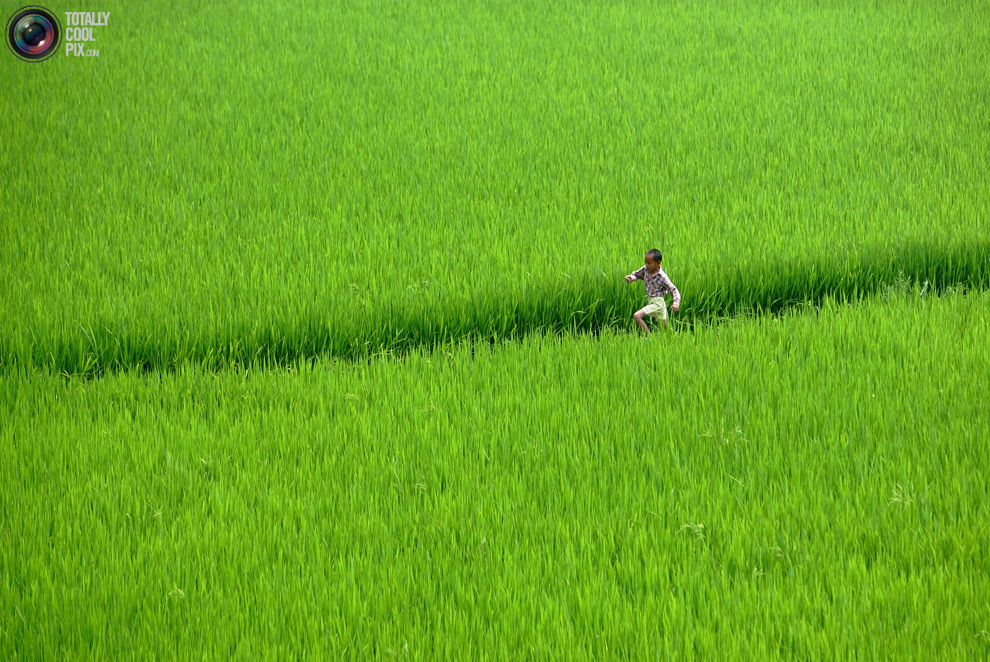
[(314, 339)]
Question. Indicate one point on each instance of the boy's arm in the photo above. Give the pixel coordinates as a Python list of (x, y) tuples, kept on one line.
[(673, 290), (636, 275)]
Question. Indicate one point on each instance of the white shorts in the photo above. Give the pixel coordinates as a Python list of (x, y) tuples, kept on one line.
[(655, 307)]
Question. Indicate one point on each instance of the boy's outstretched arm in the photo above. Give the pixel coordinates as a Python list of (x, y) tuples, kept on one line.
[(636, 275)]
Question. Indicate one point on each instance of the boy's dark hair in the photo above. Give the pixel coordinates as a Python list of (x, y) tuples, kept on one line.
[(655, 255)]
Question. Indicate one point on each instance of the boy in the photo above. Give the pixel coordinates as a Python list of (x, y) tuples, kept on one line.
[(657, 285)]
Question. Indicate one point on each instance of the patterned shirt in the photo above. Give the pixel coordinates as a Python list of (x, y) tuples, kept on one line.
[(657, 284)]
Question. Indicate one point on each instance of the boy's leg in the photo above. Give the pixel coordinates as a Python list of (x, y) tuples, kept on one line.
[(638, 316)]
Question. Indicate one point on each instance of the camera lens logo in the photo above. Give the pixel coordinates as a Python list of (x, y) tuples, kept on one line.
[(33, 33)]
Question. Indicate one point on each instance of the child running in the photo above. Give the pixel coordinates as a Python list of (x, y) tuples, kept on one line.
[(657, 285)]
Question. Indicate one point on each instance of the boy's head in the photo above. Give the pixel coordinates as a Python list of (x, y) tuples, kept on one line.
[(653, 259)]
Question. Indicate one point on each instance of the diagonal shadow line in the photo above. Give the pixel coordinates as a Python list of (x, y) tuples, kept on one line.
[(591, 303)]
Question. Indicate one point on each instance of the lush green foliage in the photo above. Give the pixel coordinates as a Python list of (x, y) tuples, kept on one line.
[(282, 179), (233, 196), (812, 486)]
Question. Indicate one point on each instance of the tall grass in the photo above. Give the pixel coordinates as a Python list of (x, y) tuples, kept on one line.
[(215, 189), (812, 485), (256, 184)]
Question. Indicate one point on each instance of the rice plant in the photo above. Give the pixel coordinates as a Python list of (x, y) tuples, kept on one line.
[(206, 190), (260, 261), (812, 485)]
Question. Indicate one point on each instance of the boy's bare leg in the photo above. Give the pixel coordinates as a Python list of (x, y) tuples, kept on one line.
[(638, 316)]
